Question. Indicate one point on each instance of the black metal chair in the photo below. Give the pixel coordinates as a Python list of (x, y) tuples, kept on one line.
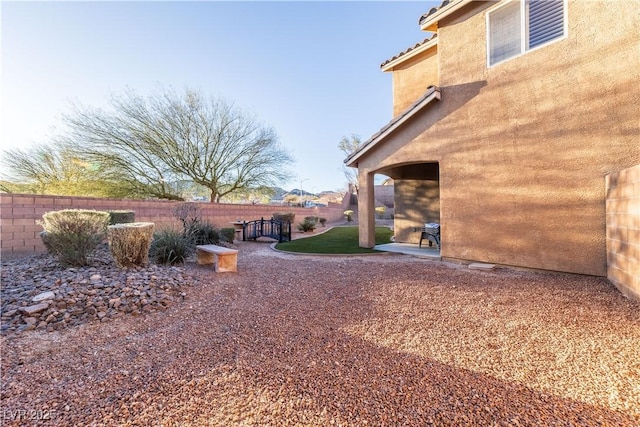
[(430, 232)]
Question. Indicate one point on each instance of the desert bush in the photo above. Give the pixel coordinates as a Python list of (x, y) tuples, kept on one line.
[(228, 234), (285, 217), (73, 234), (129, 243), (197, 231), (202, 233), (307, 225), (348, 214), (170, 247), (323, 221), (121, 217), (188, 213)]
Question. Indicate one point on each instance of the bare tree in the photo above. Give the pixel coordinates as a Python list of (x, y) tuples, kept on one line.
[(168, 137), (348, 145), (59, 169), (39, 169)]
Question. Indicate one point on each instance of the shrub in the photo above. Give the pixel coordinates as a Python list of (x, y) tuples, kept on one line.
[(228, 234), (323, 221), (170, 247), (121, 217), (188, 213), (307, 225), (193, 228), (48, 243), (73, 234), (202, 233), (285, 217), (129, 243)]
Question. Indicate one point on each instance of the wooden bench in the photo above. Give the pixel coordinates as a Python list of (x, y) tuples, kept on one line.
[(223, 259)]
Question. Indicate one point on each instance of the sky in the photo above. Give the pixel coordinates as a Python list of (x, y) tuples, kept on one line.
[(311, 70)]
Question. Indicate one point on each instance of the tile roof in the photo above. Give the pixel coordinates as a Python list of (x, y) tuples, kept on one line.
[(405, 52), (432, 11), (432, 93)]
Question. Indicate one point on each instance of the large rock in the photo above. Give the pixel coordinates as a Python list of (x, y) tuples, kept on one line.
[(33, 309), (43, 296)]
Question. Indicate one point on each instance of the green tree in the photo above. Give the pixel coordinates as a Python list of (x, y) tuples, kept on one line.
[(166, 138)]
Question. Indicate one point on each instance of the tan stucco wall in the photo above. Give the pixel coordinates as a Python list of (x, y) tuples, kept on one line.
[(524, 146), (417, 202), (623, 230), (412, 78)]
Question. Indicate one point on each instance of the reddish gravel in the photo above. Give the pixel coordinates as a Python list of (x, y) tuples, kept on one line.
[(362, 340)]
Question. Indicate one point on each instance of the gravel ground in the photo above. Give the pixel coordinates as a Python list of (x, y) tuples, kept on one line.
[(362, 340)]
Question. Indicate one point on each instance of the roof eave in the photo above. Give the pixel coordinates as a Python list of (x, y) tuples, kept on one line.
[(434, 94), (392, 64), (430, 23)]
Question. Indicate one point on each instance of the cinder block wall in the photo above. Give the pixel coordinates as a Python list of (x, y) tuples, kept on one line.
[(623, 230), (19, 213)]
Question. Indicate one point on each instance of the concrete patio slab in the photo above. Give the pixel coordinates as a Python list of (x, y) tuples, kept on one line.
[(410, 249), (481, 266)]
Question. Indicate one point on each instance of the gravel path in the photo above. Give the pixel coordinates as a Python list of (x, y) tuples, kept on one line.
[(363, 340)]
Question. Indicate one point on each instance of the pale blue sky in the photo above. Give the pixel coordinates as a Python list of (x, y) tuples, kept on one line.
[(309, 69)]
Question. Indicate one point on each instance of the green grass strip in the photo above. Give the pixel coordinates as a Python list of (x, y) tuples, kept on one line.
[(338, 240)]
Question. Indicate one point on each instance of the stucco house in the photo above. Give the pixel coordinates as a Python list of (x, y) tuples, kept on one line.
[(507, 119)]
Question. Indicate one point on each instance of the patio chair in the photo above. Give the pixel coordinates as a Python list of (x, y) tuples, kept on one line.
[(430, 232)]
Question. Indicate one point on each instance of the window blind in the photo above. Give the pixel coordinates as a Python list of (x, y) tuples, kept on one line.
[(504, 33), (546, 21)]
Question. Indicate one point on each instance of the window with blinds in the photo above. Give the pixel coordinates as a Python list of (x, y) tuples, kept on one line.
[(545, 19), (521, 25), (505, 33)]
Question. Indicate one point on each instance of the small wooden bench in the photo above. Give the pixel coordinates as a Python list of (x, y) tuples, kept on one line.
[(223, 259)]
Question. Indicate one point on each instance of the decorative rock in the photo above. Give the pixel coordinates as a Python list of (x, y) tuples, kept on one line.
[(24, 328), (33, 309), (43, 296), (30, 320), (68, 297)]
